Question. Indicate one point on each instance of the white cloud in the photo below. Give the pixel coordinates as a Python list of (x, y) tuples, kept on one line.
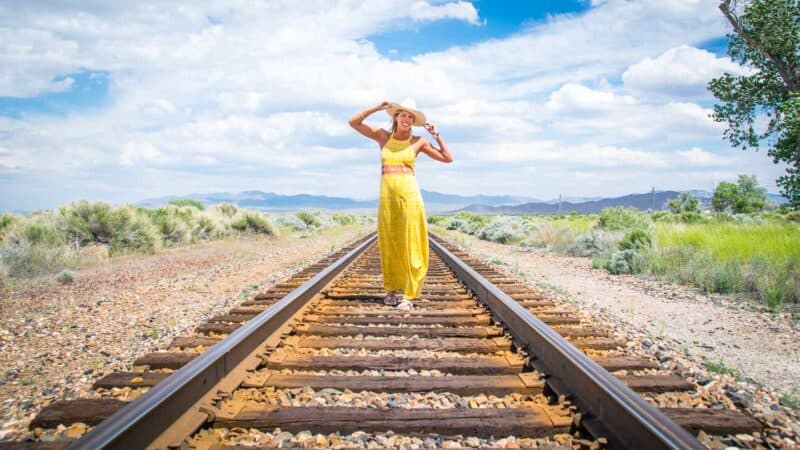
[(207, 95), (422, 10), (141, 153), (683, 71), (698, 157)]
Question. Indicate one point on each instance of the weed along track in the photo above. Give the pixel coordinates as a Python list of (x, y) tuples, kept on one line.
[(482, 360)]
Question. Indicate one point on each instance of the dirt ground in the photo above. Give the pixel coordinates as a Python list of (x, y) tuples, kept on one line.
[(56, 340), (736, 334)]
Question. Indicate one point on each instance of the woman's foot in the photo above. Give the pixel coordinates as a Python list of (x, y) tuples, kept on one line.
[(405, 305), (390, 299)]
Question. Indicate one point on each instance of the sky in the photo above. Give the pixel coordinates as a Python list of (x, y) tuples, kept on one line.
[(126, 100)]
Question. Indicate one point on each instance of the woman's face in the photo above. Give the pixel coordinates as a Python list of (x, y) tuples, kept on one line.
[(404, 120)]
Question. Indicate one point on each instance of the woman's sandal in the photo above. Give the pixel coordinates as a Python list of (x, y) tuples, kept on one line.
[(405, 305), (390, 299)]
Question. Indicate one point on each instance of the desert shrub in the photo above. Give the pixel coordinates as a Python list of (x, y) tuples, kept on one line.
[(620, 218), (173, 228), (344, 219), (437, 220), (66, 276), (636, 239), (618, 264), (5, 221), (462, 225), (84, 222), (555, 237), (600, 260), (253, 222), (291, 222), (188, 202), (34, 247), (502, 229), (226, 209), (454, 223), (135, 233), (658, 216), (204, 227), (123, 229), (310, 219), (595, 242), (626, 261)]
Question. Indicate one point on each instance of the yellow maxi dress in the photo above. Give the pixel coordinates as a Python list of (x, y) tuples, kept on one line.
[(402, 227)]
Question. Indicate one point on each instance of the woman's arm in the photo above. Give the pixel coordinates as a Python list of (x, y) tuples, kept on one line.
[(439, 154), (357, 122)]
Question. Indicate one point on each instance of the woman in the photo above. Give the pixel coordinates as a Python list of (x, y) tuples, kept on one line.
[(402, 227)]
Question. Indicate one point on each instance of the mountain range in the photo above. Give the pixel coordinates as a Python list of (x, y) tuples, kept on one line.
[(440, 203)]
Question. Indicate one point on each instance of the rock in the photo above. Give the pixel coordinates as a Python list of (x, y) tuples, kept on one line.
[(740, 398)]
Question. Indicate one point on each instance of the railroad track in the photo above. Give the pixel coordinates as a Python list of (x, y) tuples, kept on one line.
[(481, 358)]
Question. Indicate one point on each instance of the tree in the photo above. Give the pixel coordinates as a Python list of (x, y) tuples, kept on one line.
[(745, 196), (685, 203), (766, 38), (724, 197)]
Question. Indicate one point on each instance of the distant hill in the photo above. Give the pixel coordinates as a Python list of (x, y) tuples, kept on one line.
[(638, 201), (641, 202), (271, 201), (436, 202)]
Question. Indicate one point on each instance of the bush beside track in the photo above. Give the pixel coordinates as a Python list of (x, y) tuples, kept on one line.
[(753, 254), (83, 233)]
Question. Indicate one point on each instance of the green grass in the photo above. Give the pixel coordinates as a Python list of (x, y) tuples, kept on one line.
[(761, 258), (757, 255), (790, 401), (154, 332), (721, 368)]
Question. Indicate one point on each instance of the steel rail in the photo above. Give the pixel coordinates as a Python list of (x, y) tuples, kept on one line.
[(629, 421), (139, 423)]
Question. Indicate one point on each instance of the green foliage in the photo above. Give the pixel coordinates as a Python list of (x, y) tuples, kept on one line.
[(503, 229), (308, 217), (173, 227), (720, 367), (746, 196), (626, 261), (344, 219), (292, 222), (254, 222), (766, 38), (34, 247), (790, 401), (636, 239), (188, 202), (66, 276), (123, 229), (685, 203), (226, 209), (620, 219), (5, 221), (437, 220), (154, 333)]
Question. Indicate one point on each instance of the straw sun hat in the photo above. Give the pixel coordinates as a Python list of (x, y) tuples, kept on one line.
[(419, 117)]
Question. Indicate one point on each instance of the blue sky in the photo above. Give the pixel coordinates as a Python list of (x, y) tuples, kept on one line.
[(535, 98), (499, 19)]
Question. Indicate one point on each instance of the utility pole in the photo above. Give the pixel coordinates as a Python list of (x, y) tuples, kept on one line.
[(559, 203), (654, 199)]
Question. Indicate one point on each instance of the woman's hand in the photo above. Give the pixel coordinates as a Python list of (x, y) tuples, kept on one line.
[(431, 129), (386, 104)]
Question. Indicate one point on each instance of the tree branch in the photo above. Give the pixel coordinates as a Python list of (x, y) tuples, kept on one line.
[(788, 76)]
